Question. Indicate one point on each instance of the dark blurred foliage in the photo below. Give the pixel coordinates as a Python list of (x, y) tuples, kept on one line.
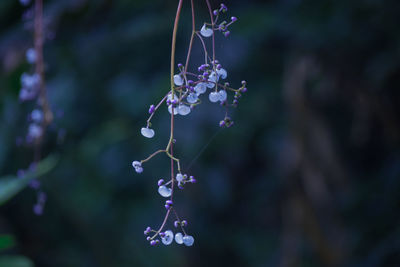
[(308, 176)]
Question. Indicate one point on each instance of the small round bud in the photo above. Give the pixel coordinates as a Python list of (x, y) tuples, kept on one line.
[(234, 19), (147, 231), (160, 182)]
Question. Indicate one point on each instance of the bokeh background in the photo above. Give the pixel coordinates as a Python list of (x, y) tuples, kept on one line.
[(308, 175)]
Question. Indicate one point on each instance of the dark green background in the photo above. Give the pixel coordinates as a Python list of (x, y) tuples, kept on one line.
[(308, 175)]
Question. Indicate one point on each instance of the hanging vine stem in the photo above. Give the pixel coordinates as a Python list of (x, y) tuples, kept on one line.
[(39, 69), (171, 138)]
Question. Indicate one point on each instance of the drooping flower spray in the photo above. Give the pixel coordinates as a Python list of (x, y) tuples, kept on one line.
[(185, 93), (33, 88)]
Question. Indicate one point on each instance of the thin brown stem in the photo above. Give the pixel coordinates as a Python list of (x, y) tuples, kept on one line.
[(191, 37), (39, 67), (212, 27)]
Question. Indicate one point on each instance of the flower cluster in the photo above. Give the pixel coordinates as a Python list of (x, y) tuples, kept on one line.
[(187, 88)]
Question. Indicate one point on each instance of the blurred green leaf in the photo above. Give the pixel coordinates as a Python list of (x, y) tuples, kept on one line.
[(11, 185), (15, 261), (6, 241)]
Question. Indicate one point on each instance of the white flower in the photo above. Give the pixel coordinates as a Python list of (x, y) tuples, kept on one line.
[(178, 80), (170, 110), (222, 73), (31, 55), (168, 237), (222, 95), (213, 78), (188, 240), (179, 177), (214, 97), (200, 88), (170, 97), (179, 238), (164, 191), (183, 109), (147, 132), (205, 31), (138, 166), (37, 115), (35, 131), (29, 81), (192, 98)]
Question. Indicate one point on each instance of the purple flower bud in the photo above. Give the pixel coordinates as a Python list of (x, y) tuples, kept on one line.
[(184, 223), (152, 109), (25, 2), (243, 82), (153, 242), (180, 65), (19, 141), (223, 8), (215, 12), (169, 202), (244, 90), (180, 185), (193, 180), (20, 173), (148, 238), (221, 123), (38, 209), (176, 224), (167, 206), (206, 74), (160, 182), (219, 66), (162, 234), (42, 197), (226, 34), (147, 231), (35, 184), (234, 19)]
